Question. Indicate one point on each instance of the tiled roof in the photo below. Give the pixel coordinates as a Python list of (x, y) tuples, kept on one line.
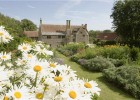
[(56, 28), (52, 33), (107, 36), (31, 33)]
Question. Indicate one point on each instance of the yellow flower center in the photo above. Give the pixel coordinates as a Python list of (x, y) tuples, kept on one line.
[(1, 34), (29, 56), (25, 48), (72, 94), (7, 37), (6, 98), (88, 85), (17, 95), (4, 57), (52, 65), (58, 78), (37, 68), (39, 95)]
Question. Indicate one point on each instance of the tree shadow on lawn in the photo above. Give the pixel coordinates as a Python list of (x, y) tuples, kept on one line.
[(115, 88)]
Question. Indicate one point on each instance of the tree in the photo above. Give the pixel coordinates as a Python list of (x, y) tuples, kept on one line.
[(12, 25), (126, 20), (92, 35), (107, 31), (28, 25)]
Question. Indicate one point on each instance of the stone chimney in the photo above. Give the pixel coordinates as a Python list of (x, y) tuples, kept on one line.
[(40, 21), (85, 26), (67, 24)]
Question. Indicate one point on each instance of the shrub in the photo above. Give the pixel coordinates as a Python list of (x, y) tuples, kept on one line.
[(97, 64), (71, 49), (128, 77), (114, 52), (117, 62), (134, 53)]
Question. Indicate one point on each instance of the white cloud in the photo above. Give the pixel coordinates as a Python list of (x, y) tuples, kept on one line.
[(30, 6)]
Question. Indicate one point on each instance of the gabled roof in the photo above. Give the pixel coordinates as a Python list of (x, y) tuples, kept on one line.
[(31, 33), (107, 36), (56, 28)]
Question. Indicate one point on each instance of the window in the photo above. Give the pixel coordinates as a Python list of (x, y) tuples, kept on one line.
[(83, 35), (63, 36), (59, 36), (48, 37)]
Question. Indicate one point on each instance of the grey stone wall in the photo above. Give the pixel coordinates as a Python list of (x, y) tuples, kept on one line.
[(53, 41)]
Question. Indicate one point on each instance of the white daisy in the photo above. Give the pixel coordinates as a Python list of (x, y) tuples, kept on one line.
[(91, 87), (21, 62), (5, 56), (49, 52), (19, 93), (7, 38), (24, 47)]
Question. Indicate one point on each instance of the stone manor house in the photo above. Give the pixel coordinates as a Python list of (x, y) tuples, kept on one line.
[(55, 35)]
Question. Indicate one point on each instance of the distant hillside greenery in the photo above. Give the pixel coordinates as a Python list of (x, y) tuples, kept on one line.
[(15, 28), (11, 24)]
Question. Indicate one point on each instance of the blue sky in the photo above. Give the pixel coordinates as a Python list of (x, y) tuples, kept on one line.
[(94, 13)]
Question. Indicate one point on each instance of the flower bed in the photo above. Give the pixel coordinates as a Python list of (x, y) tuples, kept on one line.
[(29, 74)]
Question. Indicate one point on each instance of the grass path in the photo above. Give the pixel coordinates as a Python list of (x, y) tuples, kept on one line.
[(108, 91)]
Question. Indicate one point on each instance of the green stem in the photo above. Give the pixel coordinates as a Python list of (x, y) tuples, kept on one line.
[(44, 90), (35, 79)]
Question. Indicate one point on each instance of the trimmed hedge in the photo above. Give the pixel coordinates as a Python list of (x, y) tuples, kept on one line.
[(126, 77)]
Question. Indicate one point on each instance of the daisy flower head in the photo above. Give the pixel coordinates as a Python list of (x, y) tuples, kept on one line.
[(5, 37), (25, 47), (71, 93), (5, 56), (48, 52), (39, 50), (2, 32), (28, 56), (19, 93), (21, 62), (34, 67), (91, 87)]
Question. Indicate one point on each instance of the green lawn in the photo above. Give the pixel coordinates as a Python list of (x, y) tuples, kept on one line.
[(108, 91)]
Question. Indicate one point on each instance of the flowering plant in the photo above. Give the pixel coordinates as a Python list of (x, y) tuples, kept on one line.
[(28, 75)]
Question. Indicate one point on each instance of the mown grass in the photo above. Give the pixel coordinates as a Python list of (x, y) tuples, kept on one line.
[(108, 91)]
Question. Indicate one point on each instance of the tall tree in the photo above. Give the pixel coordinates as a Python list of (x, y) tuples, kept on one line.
[(126, 20), (28, 25)]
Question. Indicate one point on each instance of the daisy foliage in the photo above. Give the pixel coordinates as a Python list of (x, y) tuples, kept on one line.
[(30, 75)]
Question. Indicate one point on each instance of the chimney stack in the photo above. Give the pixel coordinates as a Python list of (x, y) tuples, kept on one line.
[(40, 21), (85, 26), (67, 24)]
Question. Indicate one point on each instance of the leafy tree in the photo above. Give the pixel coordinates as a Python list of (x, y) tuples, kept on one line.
[(11, 24), (107, 31), (126, 20), (92, 35), (28, 25)]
